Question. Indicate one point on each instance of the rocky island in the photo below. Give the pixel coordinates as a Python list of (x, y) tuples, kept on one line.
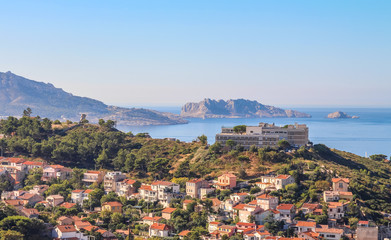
[(340, 115), (17, 93), (236, 108)]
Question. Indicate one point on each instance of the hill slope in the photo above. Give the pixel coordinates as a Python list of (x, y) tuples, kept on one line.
[(17, 93), (237, 108)]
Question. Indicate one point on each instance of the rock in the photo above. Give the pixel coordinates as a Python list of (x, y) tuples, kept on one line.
[(238, 108), (340, 115)]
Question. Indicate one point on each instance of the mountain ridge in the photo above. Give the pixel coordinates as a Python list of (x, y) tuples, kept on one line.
[(17, 93), (236, 108)]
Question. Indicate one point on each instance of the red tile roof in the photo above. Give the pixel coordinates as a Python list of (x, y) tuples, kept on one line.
[(239, 206), (305, 224), (146, 187), (67, 205), (283, 176), (94, 172), (168, 210), (159, 226), (162, 183), (335, 180), (285, 206), (66, 228), (155, 219), (88, 191), (77, 191), (129, 181), (113, 204), (196, 180), (33, 163), (265, 196), (184, 233)]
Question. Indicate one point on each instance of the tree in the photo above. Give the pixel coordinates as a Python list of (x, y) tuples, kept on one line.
[(27, 112), (240, 129), (103, 159), (283, 144), (378, 157), (203, 139), (230, 143), (33, 228), (10, 235)]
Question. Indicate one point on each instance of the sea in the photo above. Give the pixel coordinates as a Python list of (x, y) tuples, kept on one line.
[(370, 134)]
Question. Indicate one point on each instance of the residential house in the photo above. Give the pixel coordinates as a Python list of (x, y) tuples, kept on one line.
[(244, 226), (226, 181), (327, 233), (287, 212), (17, 204), (194, 188), (159, 230), (63, 220), (67, 232), (146, 193), (55, 200), (112, 207), (213, 226), (56, 172), (224, 230), (248, 213), (39, 189), (29, 212), (30, 199), (340, 184), (126, 187), (111, 179), (308, 208), (275, 182), (336, 210), (151, 220), (304, 226), (239, 197), (91, 177), (78, 196), (33, 165), (183, 234), (167, 213), (165, 191), (266, 201), (186, 202), (309, 235)]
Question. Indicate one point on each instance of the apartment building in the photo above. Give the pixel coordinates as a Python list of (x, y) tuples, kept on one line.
[(91, 177), (56, 171), (275, 182), (265, 135), (111, 179), (194, 187)]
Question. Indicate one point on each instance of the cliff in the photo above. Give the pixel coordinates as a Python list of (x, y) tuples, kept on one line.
[(339, 114), (238, 108), (17, 93)]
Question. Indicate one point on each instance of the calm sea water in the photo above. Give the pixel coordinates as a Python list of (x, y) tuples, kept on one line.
[(370, 134)]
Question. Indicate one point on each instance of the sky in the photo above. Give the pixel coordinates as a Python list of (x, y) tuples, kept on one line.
[(167, 53)]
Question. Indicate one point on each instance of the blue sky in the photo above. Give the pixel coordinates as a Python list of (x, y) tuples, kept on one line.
[(160, 53)]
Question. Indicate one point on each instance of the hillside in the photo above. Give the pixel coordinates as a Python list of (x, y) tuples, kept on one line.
[(103, 147), (17, 93), (237, 108)]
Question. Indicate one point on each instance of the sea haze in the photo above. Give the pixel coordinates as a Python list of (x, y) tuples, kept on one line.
[(370, 134)]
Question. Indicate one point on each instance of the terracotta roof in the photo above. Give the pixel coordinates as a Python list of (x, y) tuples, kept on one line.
[(305, 224), (311, 234), (30, 211), (184, 233), (168, 210), (242, 194), (283, 176), (265, 196), (89, 228), (112, 204), (329, 230), (88, 191), (284, 206), (215, 223), (67, 205), (56, 196), (216, 202), (159, 226), (246, 224), (162, 183), (129, 181), (253, 202), (335, 204), (196, 180), (26, 196), (14, 202), (77, 191), (82, 224), (146, 187), (94, 172), (239, 206), (188, 201), (33, 163), (312, 206), (62, 218), (155, 219), (228, 175), (14, 160), (335, 180), (66, 228), (56, 166), (228, 227), (363, 222)]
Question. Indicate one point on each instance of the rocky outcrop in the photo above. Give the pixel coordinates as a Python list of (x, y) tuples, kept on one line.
[(339, 115), (238, 108), (17, 93)]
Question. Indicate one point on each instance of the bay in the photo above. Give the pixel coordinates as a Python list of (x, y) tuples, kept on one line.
[(370, 134)]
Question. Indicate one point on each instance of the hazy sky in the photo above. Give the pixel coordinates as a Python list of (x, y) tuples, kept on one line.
[(167, 52)]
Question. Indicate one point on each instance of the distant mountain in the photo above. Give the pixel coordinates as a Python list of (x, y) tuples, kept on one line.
[(237, 108), (339, 114), (17, 93)]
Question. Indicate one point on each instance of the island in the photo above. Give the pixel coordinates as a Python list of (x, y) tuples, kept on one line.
[(236, 108), (341, 115)]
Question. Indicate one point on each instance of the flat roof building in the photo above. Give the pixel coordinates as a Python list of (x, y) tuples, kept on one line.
[(265, 135)]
